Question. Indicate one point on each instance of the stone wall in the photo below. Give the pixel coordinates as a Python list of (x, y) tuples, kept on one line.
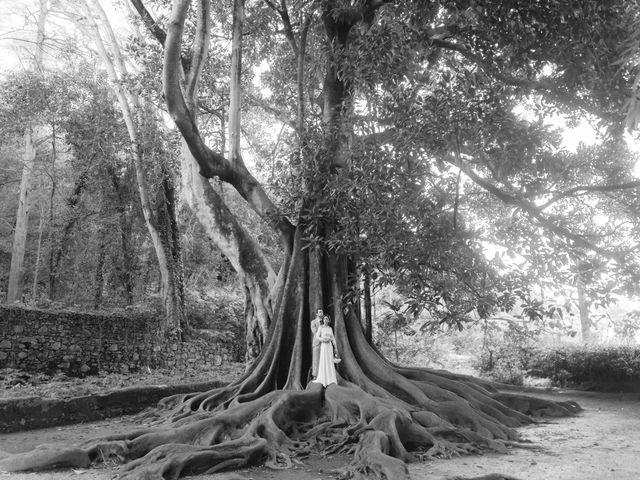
[(84, 343)]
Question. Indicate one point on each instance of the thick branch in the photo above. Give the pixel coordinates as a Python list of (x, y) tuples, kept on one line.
[(211, 163), (301, 56), (556, 93), (149, 22), (200, 48), (590, 188), (283, 11), (235, 87), (154, 28), (535, 212)]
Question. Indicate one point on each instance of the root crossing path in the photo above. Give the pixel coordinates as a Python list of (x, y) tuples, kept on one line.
[(224, 429)]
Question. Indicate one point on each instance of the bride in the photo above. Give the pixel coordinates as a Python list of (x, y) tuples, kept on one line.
[(328, 354)]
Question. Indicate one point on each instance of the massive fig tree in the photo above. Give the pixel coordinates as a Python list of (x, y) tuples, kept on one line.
[(383, 98)]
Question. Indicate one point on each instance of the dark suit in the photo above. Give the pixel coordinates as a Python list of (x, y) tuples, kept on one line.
[(315, 343)]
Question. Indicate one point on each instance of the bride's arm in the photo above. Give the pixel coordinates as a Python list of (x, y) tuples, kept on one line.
[(335, 346)]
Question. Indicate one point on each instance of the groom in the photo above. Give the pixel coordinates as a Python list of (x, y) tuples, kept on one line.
[(315, 343)]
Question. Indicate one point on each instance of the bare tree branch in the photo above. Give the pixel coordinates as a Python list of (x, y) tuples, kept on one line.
[(534, 211), (590, 188), (278, 113)]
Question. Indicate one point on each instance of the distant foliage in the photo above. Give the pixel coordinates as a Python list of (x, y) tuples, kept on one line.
[(506, 363), (220, 310), (597, 366)]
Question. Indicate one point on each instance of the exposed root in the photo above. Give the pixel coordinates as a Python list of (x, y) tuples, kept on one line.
[(382, 433), (491, 476), (45, 457)]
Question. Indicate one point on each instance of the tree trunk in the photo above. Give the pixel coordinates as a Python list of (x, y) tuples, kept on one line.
[(128, 259), (256, 317), (59, 249), (170, 237), (36, 268), (98, 280), (219, 223), (368, 319), (128, 262), (583, 309), (244, 254), (16, 271)]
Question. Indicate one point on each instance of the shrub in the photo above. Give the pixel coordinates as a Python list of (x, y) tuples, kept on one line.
[(218, 310), (605, 366), (504, 364)]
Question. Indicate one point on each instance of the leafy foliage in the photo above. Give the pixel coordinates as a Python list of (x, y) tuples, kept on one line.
[(604, 366)]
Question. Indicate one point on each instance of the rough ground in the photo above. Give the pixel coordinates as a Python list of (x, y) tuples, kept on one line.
[(600, 444), (17, 383)]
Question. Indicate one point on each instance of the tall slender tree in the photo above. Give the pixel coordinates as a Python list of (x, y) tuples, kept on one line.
[(16, 272), (161, 224)]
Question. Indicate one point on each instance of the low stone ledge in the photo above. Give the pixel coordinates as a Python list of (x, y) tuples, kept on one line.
[(19, 414)]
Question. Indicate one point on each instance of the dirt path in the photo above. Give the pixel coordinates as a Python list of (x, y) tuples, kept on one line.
[(600, 444)]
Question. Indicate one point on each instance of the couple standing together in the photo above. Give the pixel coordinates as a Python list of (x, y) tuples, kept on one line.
[(325, 353)]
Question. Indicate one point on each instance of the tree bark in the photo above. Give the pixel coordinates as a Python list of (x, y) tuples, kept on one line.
[(244, 254), (36, 268), (368, 323), (583, 309), (167, 226), (128, 259), (129, 262), (98, 280), (16, 270)]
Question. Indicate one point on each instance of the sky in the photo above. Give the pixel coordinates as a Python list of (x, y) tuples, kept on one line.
[(13, 17), (17, 29)]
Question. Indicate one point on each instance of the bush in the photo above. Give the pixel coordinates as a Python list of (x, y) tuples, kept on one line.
[(219, 310), (603, 366), (505, 364)]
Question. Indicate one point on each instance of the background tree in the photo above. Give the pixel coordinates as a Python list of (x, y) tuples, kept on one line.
[(161, 224), (16, 273)]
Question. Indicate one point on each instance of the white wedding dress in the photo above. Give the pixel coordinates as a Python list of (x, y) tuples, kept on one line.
[(326, 367)]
